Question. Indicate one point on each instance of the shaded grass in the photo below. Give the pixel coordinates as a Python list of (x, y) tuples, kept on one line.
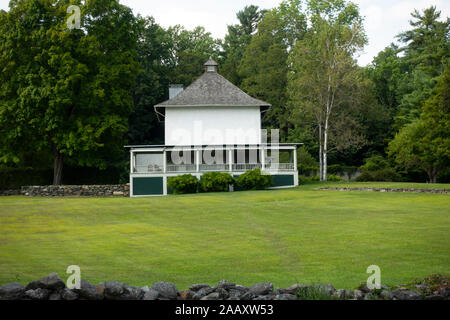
[(283, 236)]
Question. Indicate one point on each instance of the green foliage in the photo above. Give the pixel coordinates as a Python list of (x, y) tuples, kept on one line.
[(377, 168), (425, 143), (215, 182), (313, 292), (186, 183), (14, 178), (66, 91), (305, 159), (154, 50), (386, 174), (264, 65), (334, 178), (237, 40), (189, 51), (254, 180)]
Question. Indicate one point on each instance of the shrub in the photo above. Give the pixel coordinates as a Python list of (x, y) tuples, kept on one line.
[(304, 180), (314, 292), (186, 183), (334, 178), (14, 178), (377, 168), (254, 180), (215, 182)]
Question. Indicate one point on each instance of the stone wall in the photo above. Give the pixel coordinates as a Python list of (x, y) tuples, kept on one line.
[(120, 190), (444, 191), (52, 287)]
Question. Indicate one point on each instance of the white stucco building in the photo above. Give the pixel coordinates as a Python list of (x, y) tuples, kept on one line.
[(211, 125)]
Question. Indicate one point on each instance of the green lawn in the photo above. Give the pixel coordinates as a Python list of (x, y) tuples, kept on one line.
[(284, 236)]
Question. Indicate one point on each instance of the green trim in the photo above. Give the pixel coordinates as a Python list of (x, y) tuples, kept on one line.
[(150, 186), (283, 180)]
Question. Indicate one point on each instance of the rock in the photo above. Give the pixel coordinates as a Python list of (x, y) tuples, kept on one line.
[(233, 298), (212, 296), (55, 296), (113, 290), (370, 296), (223, 294), (151, 294), (358, 295), (261, 289), (166, 290), (248, 296), (285, 296), (223, 284), (186, 295), (340, 294), (235, 293), (69, 295), (264, 298), (12, 291), (51, 282), (348, 294), (88, 291), (292, 289), (435, 297), (386, 295), (406, 295), (328, 288), (131, 293), (202, 293), (100, 289), (38, 294), (197, 287), (32, 285)]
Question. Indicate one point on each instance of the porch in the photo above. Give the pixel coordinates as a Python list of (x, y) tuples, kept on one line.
[(157, 160)]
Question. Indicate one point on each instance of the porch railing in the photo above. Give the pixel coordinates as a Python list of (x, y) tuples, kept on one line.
[(246, 166), (237, 167)]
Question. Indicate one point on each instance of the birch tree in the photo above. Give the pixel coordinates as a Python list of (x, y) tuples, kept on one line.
[(324, 72)]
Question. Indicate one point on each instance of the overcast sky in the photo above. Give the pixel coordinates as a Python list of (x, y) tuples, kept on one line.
[(383, 18)]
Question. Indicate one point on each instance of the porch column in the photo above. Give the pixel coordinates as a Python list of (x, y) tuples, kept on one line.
[(197, 160), (165, 161), (131, 162), (263, 158), (295, 159), (230, 159)]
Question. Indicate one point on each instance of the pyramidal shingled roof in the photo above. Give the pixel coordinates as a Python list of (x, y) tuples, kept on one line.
[(211, 89)]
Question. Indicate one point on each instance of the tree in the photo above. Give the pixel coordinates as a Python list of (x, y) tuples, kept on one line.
[(189, 50), (237, 40), (264, 66), (66, 91), (325, 74), (425, 142), (153, 50), (426, 53)]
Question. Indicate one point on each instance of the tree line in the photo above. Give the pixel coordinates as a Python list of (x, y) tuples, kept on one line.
[(76, 97)]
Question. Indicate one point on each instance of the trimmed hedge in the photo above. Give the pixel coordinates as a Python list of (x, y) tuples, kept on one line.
[(183, 184), (215, 182), (254, 180)]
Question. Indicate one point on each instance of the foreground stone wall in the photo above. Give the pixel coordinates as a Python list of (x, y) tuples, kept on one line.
[(52, 287), (120, 190), (445, 191)]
